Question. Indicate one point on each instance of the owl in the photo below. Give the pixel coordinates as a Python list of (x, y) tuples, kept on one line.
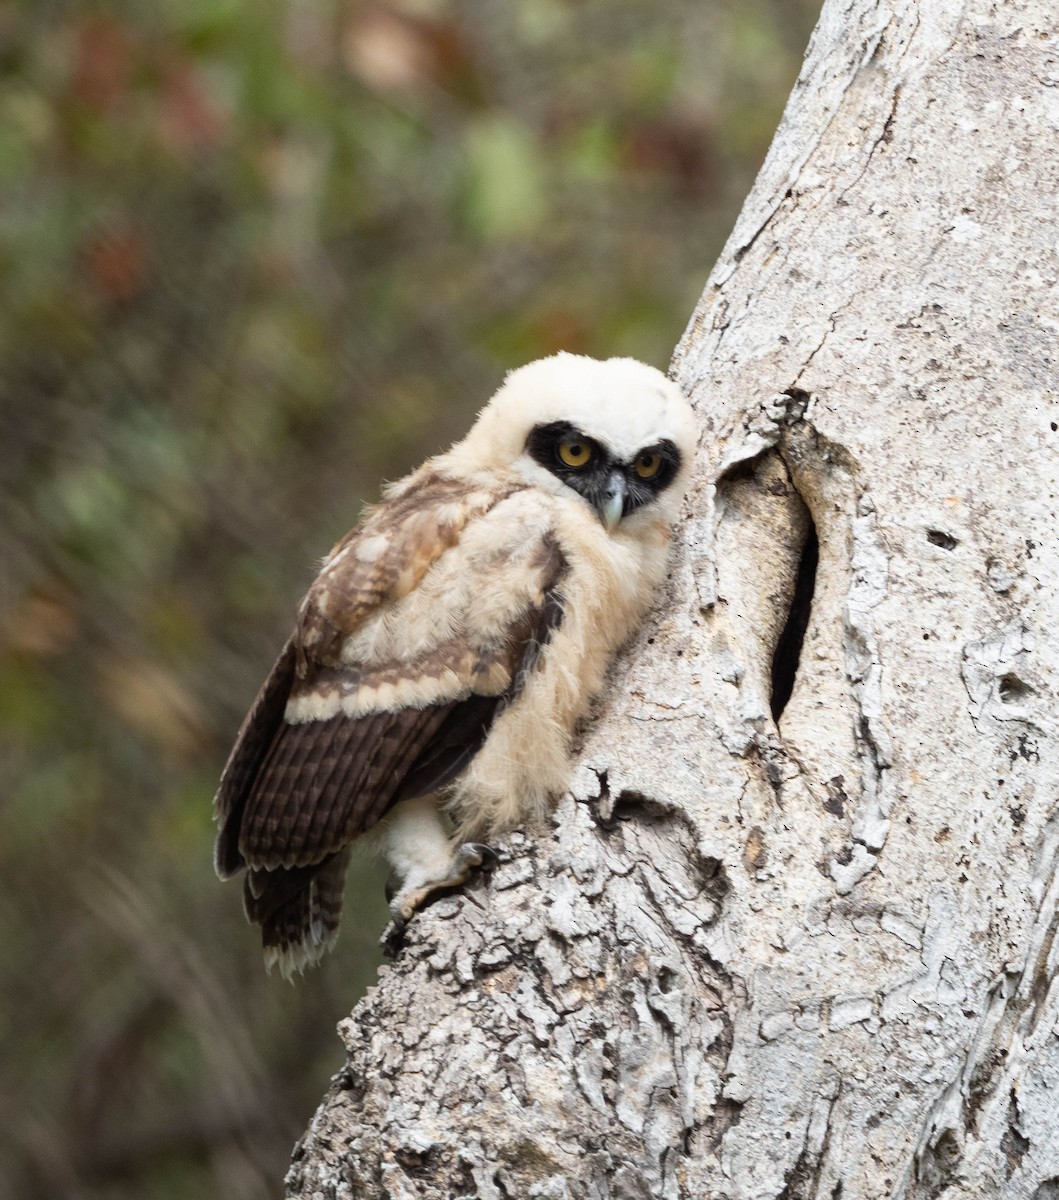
[(450, 645)]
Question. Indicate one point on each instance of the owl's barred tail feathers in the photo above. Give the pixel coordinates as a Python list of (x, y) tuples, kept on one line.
[(298, 911)]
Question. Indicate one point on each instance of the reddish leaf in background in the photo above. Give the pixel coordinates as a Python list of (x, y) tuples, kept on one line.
[(189, 118), (678, 146), (560, 328), (400, 52), (102, 63), (116, 261), (43, 622)]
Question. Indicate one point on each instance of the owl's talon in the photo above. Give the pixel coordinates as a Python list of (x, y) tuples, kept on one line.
[(471, 856), (416, 891), (488, 857)]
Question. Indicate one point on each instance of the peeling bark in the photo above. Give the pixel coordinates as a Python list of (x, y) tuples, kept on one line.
[(812, 958)]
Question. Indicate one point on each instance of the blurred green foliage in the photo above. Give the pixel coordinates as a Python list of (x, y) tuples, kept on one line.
[(256, 255)]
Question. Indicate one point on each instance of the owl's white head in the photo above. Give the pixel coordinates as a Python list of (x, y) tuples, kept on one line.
[(617, 432)]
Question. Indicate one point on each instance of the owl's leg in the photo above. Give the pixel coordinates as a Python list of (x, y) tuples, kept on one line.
[(425, 860)]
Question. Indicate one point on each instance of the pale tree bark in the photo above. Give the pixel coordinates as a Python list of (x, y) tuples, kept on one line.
[(812, 958)]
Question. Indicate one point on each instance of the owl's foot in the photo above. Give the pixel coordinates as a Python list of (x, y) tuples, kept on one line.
[(415, 891)]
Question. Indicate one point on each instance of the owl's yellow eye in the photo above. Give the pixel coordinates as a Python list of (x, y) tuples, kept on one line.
[(575, 453), (647, 464)]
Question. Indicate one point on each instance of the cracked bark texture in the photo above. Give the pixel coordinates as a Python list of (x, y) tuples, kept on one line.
[(812, 958)]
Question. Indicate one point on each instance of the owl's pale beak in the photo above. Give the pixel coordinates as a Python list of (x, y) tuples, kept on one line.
[(612, 501)]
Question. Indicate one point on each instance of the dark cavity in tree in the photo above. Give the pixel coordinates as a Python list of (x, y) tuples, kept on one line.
[(789, 647), (1013, 689), (938, 537)]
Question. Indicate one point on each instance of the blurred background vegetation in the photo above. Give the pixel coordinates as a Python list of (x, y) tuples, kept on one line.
[(256, 255)]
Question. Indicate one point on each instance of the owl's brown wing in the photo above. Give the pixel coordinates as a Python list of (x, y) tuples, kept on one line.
[(252, 745), (325, 782), (334, 739)]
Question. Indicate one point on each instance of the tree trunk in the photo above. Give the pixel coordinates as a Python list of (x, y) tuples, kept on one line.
[(812, 956)]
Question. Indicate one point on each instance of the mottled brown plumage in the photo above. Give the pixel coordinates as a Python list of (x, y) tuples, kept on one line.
[(396, 544)]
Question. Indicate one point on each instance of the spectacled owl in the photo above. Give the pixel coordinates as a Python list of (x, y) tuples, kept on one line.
[(453, 639)]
